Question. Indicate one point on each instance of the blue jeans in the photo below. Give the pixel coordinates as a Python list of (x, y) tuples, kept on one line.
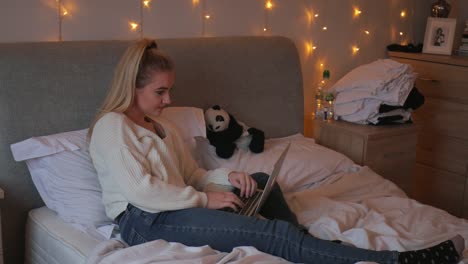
[(282, 238)]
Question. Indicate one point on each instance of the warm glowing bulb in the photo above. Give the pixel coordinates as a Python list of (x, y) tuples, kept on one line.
[(401, 33), (269, 5), (321, 65), (367, 32), (265, 29), (324, 28), (207, 16), (133, 25), (403, 13), (355, 49), (357, 12), (65, 12), (146, 3), (309, 48), (309, 15), (314, 47), (316, 15)]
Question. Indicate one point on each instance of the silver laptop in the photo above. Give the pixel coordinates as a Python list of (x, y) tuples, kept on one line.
[(254, 203)]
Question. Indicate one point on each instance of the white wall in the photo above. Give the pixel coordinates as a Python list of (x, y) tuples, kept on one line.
[(36, 20)]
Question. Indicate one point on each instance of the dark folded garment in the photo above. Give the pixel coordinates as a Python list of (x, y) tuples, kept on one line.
[(392, 120), (405, 48), (414, 100)]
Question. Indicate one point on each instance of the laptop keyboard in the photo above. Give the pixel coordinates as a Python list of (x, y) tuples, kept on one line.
[(249, 203)]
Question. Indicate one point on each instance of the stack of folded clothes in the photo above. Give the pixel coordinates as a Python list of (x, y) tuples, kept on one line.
[(381, 92)]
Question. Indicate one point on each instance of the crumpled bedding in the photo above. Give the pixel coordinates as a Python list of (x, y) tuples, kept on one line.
[(358, 207), (363, 209)]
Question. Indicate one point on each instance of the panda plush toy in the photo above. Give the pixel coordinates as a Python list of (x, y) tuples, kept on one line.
[(226, 134)]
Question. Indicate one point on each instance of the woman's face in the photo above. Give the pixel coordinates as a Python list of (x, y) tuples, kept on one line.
[(154, 97)]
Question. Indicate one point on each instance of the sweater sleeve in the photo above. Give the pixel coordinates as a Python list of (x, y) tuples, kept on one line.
[(131, 171)]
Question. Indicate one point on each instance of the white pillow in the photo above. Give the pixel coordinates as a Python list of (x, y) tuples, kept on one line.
[(64, 176), (306, 162), (190, 122)]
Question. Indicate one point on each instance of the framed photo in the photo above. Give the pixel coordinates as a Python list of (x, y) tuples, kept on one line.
[(439, 35)]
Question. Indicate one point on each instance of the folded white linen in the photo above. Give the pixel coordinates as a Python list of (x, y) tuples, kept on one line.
[(368, 112), (373, 77), (368, 108), (395, 93), (360, 92), (361, 109)]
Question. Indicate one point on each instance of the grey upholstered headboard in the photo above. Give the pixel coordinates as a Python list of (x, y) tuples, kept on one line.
[(48, 88)]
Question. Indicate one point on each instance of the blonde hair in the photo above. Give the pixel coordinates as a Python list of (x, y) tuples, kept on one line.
[(134, 71)]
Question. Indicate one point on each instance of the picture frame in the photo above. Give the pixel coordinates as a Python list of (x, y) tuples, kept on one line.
[(439, 35)]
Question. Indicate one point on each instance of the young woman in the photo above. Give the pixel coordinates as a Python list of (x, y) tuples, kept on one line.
[(153, 188)]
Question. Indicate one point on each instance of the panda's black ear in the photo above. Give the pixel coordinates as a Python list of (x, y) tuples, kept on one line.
[(216, 107)]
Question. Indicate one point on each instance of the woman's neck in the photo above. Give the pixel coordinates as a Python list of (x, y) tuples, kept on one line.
[(136, 115)]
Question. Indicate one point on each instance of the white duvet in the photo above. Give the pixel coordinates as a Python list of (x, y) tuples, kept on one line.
[(355, 205)]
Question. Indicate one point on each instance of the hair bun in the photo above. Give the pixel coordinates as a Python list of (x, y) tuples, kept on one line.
[(152, 45)]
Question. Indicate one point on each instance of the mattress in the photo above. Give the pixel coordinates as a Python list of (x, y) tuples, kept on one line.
[(49, 240)]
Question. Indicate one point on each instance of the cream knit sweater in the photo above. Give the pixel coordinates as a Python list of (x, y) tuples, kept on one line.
[(136, 166)]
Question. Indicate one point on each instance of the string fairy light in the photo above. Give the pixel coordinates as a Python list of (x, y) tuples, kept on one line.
[(310, 47), (403, 14), (133, 25), (268, 8), (204, 16), (309, 16), (143, 4), (139, 25), (357, 12), (61, 13), (355, 49)]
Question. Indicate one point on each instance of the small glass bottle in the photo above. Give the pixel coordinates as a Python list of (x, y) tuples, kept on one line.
[(330, 101), (320, 110)]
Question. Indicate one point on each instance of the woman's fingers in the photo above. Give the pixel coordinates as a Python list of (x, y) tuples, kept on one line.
[(218, 200), (234, 200)]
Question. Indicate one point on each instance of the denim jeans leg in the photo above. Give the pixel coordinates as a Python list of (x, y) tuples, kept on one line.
[(223, 231), (275, 207)]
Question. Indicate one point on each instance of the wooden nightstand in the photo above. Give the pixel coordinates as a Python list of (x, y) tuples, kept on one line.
[(388, 150), (1, 244)]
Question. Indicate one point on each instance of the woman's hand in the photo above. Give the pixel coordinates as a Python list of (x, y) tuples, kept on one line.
[(244, 182), (218, 200)]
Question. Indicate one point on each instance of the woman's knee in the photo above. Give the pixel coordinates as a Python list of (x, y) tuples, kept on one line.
[(261, 178)]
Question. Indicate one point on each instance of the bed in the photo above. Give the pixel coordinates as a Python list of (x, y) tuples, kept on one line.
[(50, 88)]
